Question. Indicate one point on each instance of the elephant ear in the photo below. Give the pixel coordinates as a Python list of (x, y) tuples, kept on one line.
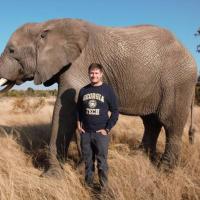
[(60, 48)]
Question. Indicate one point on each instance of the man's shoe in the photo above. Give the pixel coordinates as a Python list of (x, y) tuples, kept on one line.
[(103, 188), (103, 179), (103, 183)]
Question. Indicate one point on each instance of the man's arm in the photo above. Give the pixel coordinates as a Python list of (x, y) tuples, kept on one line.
[(79, 127), (79, 113), (113, 107)]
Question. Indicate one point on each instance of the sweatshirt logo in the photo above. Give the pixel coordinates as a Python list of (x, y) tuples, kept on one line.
[(92, 99), (95, 96), (92, 103)]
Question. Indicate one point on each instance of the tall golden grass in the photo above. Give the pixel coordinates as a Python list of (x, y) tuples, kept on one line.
[(27, 105), (131, 174)]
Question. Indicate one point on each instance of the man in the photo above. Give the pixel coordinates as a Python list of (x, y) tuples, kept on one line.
[(94, 123)]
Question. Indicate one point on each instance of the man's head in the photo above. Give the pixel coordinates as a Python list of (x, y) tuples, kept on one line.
[(95, 72)]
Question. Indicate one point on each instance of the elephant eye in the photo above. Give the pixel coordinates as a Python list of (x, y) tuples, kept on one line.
[(11, 50), (44, 34)]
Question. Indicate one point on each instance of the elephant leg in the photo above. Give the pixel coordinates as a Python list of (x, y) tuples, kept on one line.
[(173, 130), (173, 115), (172, 148), (66, 123), (78, 144), (156, 128), (146, 136), (152, 127), (63, 128), (53, 169), (58, 152), (62, 144)]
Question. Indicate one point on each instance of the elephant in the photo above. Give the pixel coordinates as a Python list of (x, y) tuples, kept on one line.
[(151, 72)]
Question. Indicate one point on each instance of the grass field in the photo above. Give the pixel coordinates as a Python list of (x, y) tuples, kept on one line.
[(26, 131)]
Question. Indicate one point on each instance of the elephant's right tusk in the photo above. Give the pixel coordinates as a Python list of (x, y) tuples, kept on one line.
[(8, 87), (3, 81)]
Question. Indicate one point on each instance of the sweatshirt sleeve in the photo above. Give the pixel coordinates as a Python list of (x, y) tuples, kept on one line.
[(113, 108)]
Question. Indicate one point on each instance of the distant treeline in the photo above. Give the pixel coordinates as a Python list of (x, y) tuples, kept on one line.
[(47, 93), (197, 93), (30, 92)]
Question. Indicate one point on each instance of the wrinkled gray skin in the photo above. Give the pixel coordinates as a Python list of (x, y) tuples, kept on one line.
[(152, 74)]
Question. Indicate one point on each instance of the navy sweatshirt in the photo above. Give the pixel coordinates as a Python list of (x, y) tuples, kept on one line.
[(93, 104)]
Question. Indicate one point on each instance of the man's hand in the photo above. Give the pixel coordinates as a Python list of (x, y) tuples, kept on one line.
[(102, 131), (79, 128)]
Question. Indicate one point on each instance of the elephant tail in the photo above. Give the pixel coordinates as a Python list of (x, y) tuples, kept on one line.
[(191, 131)]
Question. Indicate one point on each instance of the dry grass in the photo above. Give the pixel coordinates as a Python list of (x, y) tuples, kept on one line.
[(27, 105), (131, 175)]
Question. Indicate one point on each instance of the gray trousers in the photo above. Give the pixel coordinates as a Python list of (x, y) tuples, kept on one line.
[(95, 147)]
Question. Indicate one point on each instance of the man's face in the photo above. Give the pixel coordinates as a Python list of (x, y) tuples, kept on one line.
[(95, 75)]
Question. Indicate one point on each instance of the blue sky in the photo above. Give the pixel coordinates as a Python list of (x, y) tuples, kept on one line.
[(181, 17)]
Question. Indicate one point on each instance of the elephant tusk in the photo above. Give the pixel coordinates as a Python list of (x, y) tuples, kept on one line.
[(3, 81), (8, 87)]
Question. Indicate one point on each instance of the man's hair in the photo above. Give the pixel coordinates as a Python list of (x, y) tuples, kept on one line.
[(95, 66)]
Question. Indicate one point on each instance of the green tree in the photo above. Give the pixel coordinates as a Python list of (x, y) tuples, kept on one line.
[(30, 91), (198, 34)]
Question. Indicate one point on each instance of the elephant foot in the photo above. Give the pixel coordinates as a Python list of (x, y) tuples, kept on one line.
[(152, 155), (154, 158), (143, 147), (80, 165), (81, 161), (165, 166), (53, 172)]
